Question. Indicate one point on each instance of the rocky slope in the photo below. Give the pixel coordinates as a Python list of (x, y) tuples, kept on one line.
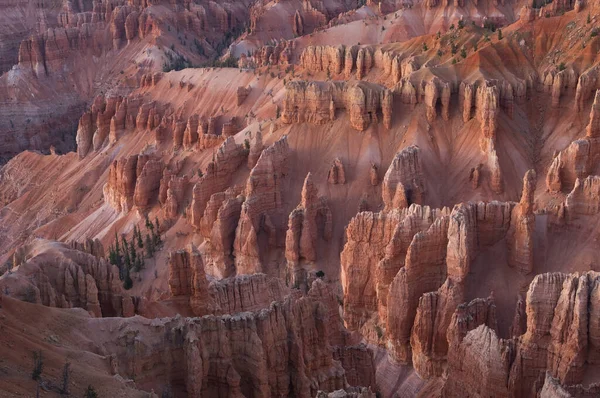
[(391, 198)]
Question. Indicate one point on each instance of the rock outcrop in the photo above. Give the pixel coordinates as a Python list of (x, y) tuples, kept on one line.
[(56, 275), (307, 223), (317, 102), (256, 148), (287, 343), (403, 183), (120, 187), (549, 358), (323, 58), (148, 184), (218, 226), (522, 224), (217, 177), (584, 199), (241, 94), (578, 160), (263, 194), (336, 174), (187, 278)]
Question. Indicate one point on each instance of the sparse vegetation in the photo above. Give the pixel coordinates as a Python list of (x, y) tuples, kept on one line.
[(175, 62), (125, 255), (66, 377), (38, 365), (320, 274), (500, 37), (90, 392), (489, 25), (562, 66), (425, 48)]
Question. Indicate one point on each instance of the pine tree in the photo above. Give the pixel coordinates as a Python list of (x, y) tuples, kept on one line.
[(66, 378), (127, 282), (499, 34), (139, 264), (148, 223), (132, 252), (140, 242), (90, 392), (117, 251), (156, 236), (112, 258), (149, 247), (38, 365), (126, 258)]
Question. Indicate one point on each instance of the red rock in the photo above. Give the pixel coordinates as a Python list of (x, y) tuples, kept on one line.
[(522, 228), (303, 232), (336, 174), (406, 170), (56, 276), (316, 102), (217, 177), (263, 195), (584, 198), (147, 184)]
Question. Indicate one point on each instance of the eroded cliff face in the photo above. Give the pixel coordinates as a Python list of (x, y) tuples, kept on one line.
[(558, 343), (260, 217), (318, 102), (309, 222), (133, 181), (420, 259), (217, 177), (56, 275), (286, 341), (578, 160), (209, 154)]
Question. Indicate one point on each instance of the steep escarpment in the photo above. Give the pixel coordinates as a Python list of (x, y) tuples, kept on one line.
[(275, 340), (340, 201), (422, 258), (558, 344), (54, 275), (317, 102)]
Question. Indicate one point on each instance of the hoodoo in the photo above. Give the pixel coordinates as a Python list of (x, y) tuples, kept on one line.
[(304, 199)]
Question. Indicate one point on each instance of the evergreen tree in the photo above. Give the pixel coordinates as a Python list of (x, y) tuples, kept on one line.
[(149, 247), (132, 252), (127, 282), (117, 251), (126, 258), (140, 242), (38, 365), (112, 258), (66, 378), (139, 263), (90, 392), (499, 34), (149, 224)]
